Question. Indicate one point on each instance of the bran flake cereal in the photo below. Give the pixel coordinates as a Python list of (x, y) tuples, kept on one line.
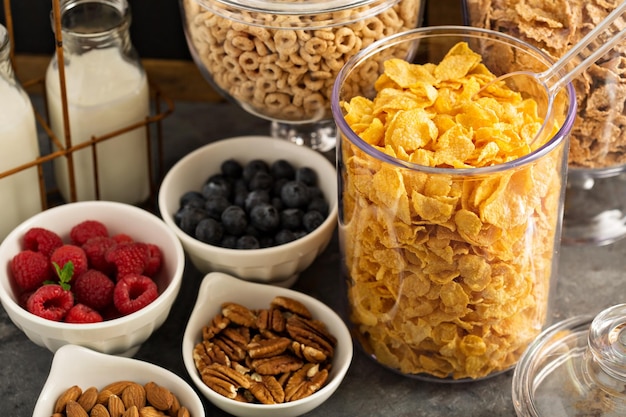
[(598, 139)]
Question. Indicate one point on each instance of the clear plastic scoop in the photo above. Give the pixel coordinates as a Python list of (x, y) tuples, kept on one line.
[(544, 86)]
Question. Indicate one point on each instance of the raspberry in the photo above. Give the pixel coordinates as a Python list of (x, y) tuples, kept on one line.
[(87, 229), (93, 289), (51, 302), (81, 313), (67, 253), (154, 260), (30, 269), (129, 258), (133, 292), (42, 240), (123, 238), (96, 249)]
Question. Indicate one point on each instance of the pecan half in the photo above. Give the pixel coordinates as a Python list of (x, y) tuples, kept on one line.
[(291, 305), (239, 314), (305, 382), (271, 319), (308, 353), (267, 390), (218, 323), (266, 348), (224, 380), (277, 364), (311, 333)]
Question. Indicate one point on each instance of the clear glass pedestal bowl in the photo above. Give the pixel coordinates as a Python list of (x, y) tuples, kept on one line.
[(278, 60)]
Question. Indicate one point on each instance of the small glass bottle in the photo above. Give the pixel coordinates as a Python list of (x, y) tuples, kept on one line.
[(18, 146), (107, 90)]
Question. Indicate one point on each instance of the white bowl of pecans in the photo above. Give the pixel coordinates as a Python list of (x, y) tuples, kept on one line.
[(84, 382), (255, 350)]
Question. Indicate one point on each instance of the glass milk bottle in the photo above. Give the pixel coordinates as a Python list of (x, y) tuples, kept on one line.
[(107, 90), (18, 146)]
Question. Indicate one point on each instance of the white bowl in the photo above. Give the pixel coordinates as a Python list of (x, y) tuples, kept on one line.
[(123, 335), (76, 365), (276, 264), (217, 288)]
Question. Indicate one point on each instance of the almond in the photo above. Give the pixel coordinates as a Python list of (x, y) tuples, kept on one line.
[(73, 409), (99, 410), (183, 412), (88, 398), (159, 397), (117, 387), (116, 406), (131, 412), (134, 395), (70, 394), (103, 397), (150, 411)]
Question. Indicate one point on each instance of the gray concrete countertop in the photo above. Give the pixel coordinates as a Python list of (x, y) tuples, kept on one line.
[(589, 280)]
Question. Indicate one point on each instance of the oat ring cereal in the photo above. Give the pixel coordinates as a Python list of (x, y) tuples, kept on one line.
[(448, 270), (297, 52)]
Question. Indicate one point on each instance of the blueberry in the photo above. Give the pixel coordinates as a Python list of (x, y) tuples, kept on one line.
[(295, 194), (319, 204), (278, 203), (247, 242), (234, 220), (229, 241), (266, 242), (217, 185), (284, 236), (256, 197), (265, 217), (231, 168), (312, 220), (291, 219), (189, 217), (261, 181), (283, 169), (215, 205), (191, 198), (240, 192), (315, 192), (306, 175), (278, 186), (209, 231), (252, 167)]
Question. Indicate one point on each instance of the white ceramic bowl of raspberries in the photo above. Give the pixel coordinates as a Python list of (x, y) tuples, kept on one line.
[(255, 207), (83, 378), (289, 352), (99, 274)]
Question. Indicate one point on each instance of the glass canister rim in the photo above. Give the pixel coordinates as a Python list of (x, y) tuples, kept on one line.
[(452, 31), (254, 12)]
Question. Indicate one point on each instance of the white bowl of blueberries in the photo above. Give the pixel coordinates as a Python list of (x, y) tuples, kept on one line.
[(258, 208)]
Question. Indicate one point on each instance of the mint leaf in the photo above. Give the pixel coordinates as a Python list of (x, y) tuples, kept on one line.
[(65, 274)]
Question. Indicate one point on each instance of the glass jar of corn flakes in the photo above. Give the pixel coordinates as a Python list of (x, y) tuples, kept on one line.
[(595, 202), (450, 201), (278, 59)]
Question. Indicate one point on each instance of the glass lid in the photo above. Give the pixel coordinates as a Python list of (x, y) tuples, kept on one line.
[(294, 14), (576, 368)]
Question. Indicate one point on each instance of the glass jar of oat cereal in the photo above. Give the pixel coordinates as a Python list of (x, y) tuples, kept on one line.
[(595, 202), (278, 59), (450, 201)]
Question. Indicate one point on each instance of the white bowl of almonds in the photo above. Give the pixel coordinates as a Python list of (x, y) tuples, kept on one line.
[(256, 350), (84, 382)]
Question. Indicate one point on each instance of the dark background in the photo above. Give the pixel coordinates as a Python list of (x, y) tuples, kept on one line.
[(156, 28)]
